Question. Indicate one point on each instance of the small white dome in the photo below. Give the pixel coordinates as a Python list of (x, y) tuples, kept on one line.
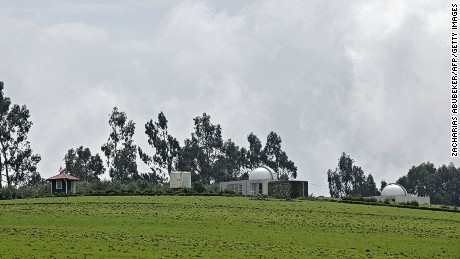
[(394, 189), (262, 173)]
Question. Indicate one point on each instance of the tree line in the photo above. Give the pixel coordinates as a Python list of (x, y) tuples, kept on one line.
[(441, 184), (204, 153), (349, 180)]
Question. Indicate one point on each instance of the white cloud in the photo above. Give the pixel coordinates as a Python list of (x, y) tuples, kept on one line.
[(76, 32)]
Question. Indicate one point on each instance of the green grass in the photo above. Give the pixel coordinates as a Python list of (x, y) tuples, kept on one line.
[(220, 227)]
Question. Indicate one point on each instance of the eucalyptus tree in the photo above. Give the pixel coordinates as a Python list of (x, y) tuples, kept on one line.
[(254, 153), (277, 159), (202, 154), (82, 164), (349, 180), (383, 184), (17, 161), (441, 184), (166, 148), (120, 151), (232, 160)]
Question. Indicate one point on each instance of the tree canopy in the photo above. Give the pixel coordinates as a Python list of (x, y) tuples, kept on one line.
[(349, 180), (120, 151), (17, 161), (166, 149), (81, 163), (205, 154), (205, 149), (441, 184), (277, 159)]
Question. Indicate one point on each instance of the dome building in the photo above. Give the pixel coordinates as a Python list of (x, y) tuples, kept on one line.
[(262, 173), (397, 193), (394, 189), (264, 181)]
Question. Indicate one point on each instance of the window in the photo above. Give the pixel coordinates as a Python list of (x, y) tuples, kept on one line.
[(260, 188), (58, 185)]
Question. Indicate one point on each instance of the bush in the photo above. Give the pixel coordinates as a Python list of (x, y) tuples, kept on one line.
[(198, 187), (8, 193), (445, 207), (412, 203), (213, 188)]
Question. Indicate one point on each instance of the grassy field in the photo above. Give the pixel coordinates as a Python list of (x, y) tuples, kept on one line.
[(220, 227)]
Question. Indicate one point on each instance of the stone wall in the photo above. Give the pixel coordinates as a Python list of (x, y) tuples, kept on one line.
[(288, 189)]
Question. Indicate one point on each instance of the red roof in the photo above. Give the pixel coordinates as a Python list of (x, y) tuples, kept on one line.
[(63, 175)]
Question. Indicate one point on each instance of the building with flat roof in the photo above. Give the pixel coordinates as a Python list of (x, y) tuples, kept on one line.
[(264, 181)]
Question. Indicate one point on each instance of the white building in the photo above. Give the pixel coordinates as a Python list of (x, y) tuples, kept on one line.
[(256, 184), (397, 193), (264, 180), (180, 180)]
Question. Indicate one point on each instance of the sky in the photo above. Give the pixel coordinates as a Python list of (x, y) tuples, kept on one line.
[(369, 78)]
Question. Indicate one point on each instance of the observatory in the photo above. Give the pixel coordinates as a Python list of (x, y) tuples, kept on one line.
[(397, 193), (264, 181), (262, 173), (394, 190)]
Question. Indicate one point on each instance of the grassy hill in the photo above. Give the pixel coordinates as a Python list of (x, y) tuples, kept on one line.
[(220, 227)]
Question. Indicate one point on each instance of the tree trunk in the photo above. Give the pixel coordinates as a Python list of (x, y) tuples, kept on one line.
[(8, 180), (6, 166), (1, 171)]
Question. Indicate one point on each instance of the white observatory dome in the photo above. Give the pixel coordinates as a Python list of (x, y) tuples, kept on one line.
[(262, 173), (394, 189)]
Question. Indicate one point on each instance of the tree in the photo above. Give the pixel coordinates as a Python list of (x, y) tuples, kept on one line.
[(358, 182), (335, 184), (274, 157), (82, 164), (254, 153), (447, 186), (202, 153), (119, 150), (370, 187), (24, 167), (166, 148), (35, 178), (383, 184), (187, 160), (208, 138), (5, 103), (442, 185), (349, 180), (17, 162), (244, 161), (420, 180), (232, 160), (345, 170)]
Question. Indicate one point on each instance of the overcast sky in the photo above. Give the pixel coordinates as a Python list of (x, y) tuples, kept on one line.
[(370, 78)]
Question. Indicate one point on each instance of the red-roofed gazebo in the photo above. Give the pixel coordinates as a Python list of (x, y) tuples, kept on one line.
[(63, 183)]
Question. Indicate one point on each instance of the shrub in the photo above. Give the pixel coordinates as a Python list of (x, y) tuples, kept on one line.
[(198, 187), (413, 203), (445, 207), (7, 193)]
